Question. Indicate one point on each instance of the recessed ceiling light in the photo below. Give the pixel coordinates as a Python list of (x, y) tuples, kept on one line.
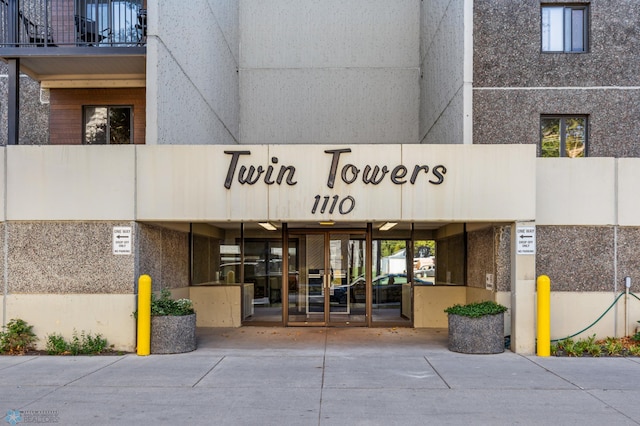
[(268, 226), (388, 226)]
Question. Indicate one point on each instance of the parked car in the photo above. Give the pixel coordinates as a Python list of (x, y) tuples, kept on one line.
[(386, 289)]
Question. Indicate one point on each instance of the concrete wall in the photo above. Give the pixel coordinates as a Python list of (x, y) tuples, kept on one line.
[(192, 78), (612, 116), (217, 306), (329, 72), (508, 53), (489, 253), (566, 321), (588, 227), (444, 51), (430, 302), (34, 115), (163, 254), (107, 314), (513, 78), (70, 182), (187, 184)]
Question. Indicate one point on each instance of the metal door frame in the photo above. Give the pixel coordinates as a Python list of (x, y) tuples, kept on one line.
[(327, 266)]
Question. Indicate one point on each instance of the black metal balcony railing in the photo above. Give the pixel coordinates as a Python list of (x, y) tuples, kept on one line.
[(52, 23)]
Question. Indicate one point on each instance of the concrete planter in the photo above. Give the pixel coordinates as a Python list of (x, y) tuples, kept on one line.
[(173, 334), (483, 335)]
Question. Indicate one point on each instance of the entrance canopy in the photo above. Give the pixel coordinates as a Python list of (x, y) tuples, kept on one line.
[(319, 183), (272, 183)]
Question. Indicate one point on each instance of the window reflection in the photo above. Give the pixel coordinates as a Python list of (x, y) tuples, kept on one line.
[(107, 124), (110, 22)]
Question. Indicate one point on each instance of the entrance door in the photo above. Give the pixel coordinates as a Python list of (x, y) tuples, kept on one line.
[(331, 285)]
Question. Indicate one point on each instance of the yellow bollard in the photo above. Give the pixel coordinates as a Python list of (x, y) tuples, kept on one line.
[(144, 315), (544, 315)]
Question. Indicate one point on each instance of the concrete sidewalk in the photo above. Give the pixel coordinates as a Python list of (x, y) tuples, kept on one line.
[(320, 376)]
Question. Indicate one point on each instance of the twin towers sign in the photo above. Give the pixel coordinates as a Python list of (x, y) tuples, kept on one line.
[(300, 183), (342, 168)]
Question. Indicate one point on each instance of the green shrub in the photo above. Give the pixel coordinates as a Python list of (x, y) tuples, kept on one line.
[(588, 346), (613, 346), (93, 344), (568, 347), (476, 310), (634, 350), (165, 305), (83, 344), (56, 345), (17, 338)]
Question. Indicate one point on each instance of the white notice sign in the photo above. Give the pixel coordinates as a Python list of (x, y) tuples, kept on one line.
[(122, 240), (526, 240)]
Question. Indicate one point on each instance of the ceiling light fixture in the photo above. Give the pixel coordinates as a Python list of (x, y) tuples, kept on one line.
[(268, 226), (387, 226)]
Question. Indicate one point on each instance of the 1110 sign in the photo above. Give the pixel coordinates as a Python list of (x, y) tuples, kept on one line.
[(329, 204)]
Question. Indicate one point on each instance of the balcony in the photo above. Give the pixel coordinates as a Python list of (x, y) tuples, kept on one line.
[(79, 37)]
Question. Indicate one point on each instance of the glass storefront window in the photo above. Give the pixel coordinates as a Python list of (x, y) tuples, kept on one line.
[(327, 278), (215, 254), (390, 278), (263, 273)]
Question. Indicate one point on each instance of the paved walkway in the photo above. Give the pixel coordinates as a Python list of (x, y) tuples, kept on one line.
[(317, 376)]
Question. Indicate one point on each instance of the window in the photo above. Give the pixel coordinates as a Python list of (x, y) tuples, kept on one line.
[(107, 125), (563, 136), (564, 28)]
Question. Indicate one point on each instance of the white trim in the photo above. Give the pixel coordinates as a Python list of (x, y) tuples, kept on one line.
[(467, 89), (562, 88)]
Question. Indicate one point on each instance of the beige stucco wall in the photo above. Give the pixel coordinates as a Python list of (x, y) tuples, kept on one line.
[(107, 314), (628, 207), (431, 301), (66, 182), (573, 311), (217, 306), (187, 183), (594, 191)]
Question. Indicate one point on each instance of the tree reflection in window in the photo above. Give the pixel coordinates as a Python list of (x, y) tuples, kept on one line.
[(563, 137), (107, 125)]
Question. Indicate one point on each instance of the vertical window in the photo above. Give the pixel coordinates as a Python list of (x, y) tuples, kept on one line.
[(564, 28), (563, 136), (107, 125)]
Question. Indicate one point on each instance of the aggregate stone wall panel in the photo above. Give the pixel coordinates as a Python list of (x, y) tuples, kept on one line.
[(175, 259), (67, 257), (164, 256), (34, 115), (612, 113), (576, 258), (480, 257), (507, 46), (628, 257), (150, 253), (503, 258), (489, 252), (508, 57)]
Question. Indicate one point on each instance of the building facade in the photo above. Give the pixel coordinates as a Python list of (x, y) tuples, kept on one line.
[(359, 163)]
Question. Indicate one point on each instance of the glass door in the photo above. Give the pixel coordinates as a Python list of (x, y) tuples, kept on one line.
[(330, 285)]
